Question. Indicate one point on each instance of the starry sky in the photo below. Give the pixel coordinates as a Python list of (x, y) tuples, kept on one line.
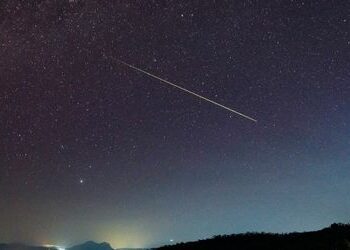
[(93, 150)]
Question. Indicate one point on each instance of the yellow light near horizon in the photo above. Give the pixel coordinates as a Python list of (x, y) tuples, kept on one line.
[(129, 239), (54, 246)]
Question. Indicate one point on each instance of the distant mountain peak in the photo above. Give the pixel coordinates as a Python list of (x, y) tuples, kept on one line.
[(91, 245)]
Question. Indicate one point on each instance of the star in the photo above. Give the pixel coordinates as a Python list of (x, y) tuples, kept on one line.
[(125, 143)]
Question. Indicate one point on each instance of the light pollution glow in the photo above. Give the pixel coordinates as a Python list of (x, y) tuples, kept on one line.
[(54, 246)]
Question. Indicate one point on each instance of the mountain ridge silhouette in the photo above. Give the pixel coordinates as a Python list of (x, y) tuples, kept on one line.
[(334, 237)]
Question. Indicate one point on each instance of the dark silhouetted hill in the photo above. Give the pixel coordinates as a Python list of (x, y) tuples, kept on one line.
[(335, 237)]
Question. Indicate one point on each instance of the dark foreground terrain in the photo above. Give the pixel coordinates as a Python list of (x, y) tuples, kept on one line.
[(335, 237)]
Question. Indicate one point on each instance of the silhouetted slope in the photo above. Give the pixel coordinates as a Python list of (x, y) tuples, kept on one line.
[(336, 237)]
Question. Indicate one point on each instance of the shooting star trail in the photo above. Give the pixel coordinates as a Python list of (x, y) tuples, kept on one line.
[(188, 91)]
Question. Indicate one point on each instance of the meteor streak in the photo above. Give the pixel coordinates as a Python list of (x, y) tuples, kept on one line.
[(188, 91)]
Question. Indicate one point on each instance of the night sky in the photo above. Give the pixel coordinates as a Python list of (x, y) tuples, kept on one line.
[(93, 150)]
